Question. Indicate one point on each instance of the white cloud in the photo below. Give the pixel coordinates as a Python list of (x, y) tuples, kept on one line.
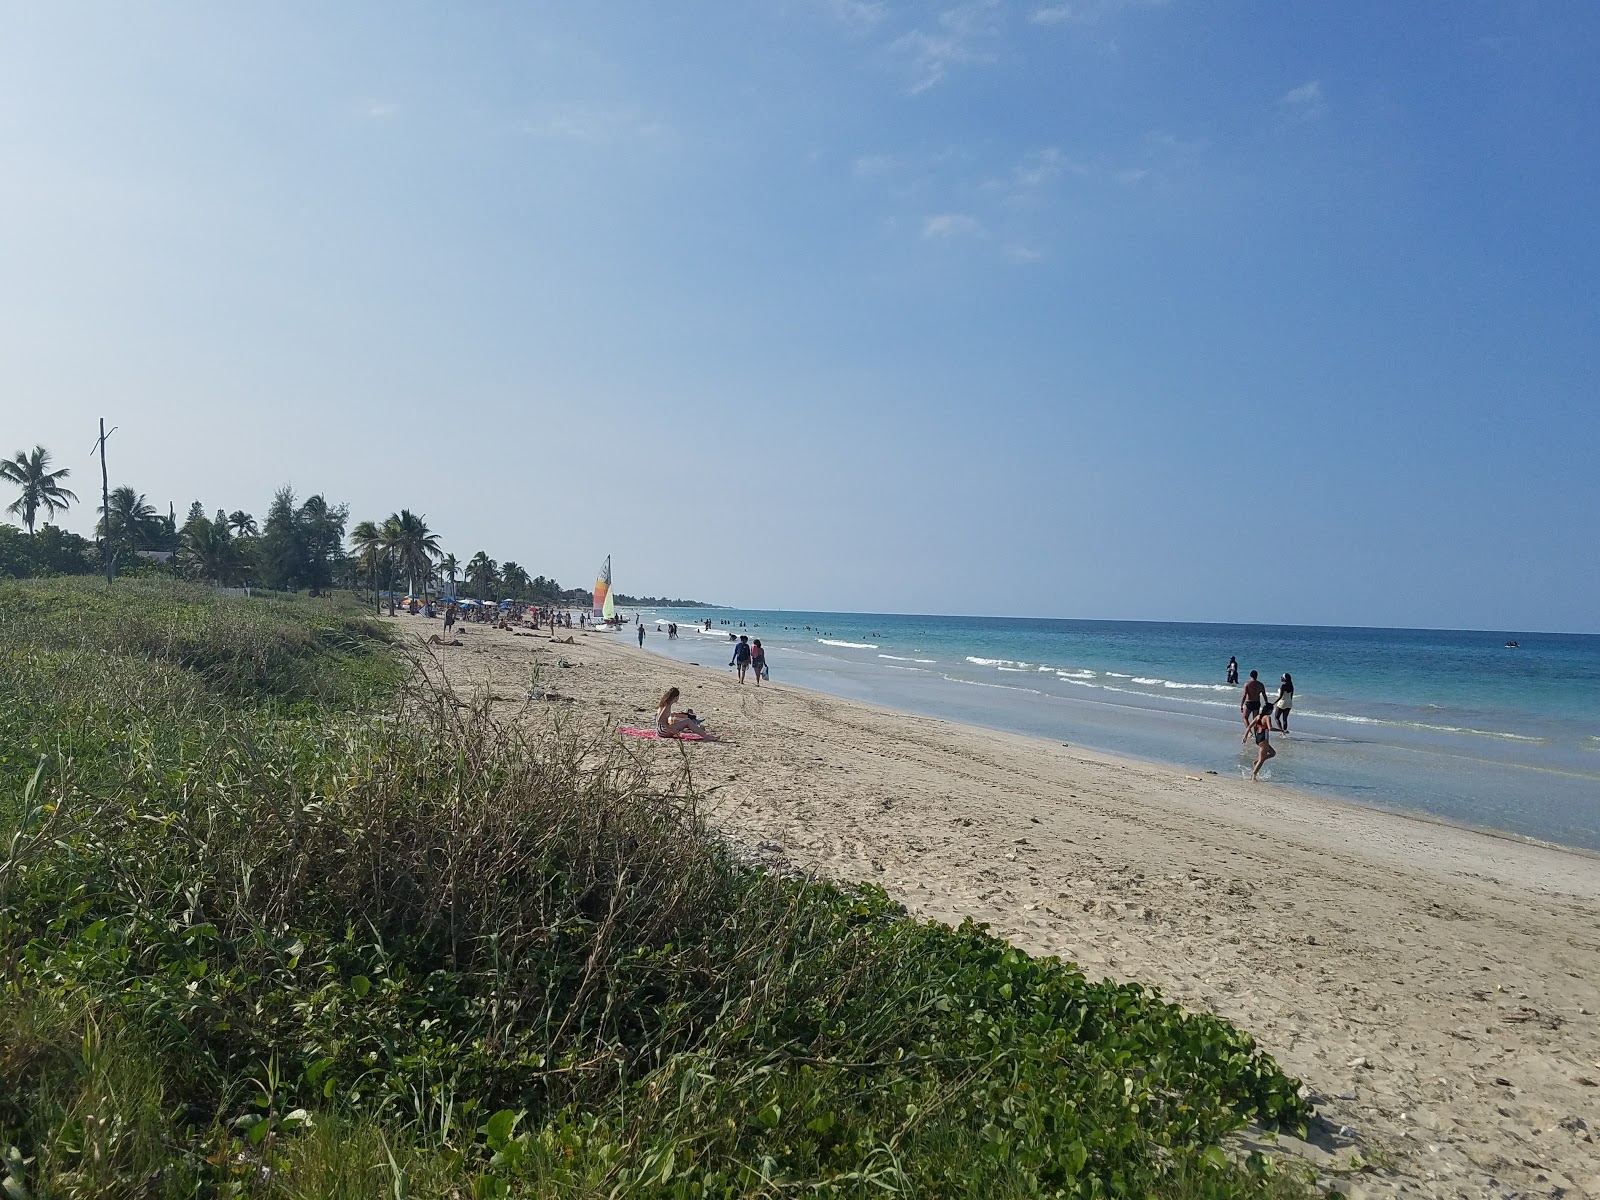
[(1303, 103), (376, 110), (962, 36), (1306, 93), (1023, 254), (948, 225), (1038, 168)]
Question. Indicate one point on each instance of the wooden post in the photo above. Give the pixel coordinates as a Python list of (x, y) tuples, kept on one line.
[(105, 505)]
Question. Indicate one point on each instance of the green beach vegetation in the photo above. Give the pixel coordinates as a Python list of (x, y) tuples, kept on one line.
[(281, 917)]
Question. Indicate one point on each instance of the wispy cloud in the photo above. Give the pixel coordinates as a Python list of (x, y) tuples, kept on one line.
[(859, 16), (379, 110), (1161, 140), (1035, 171), (591, 126), (1087, 12), (1303, 103), (951, 224), (873, 166), (961, 36), (1306, 93), (1021, 253)]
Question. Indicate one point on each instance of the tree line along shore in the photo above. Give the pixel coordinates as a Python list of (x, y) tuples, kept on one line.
[(280, 914), (300, 544)]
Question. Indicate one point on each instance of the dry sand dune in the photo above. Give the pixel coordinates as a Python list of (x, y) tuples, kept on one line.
[(1435, 987)]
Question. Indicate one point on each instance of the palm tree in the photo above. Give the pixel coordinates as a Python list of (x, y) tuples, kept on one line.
[(243, 524), (208, 549), (481, 574), (41, 487), (367, 540), (449, 566), (515, 579), (131, 523), (415, 546), (389, 535)]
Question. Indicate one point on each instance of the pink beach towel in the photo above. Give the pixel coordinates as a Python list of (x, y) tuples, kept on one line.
[(630, 731)]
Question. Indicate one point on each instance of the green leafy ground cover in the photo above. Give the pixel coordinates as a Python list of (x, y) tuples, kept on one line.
[(272, 925)]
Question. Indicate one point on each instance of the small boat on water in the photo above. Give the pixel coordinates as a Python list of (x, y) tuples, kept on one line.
[(1511, 645)]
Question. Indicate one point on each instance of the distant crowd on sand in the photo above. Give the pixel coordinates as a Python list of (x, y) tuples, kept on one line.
[(1262, 715), (509, 615)]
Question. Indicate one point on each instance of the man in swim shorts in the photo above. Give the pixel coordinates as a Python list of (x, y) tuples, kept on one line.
[(741, 656), (1250, 703)]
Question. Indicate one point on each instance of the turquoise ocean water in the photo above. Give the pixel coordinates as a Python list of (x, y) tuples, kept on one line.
[(1443, 722)]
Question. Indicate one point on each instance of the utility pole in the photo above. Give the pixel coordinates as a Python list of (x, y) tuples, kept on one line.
[(105, 503)]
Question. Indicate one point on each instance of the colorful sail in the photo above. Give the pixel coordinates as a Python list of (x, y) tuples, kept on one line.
[(602, 590)]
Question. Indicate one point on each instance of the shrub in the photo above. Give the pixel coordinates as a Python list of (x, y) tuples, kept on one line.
[(292, 945)]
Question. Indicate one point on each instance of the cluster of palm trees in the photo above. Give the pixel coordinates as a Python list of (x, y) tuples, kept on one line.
[(400, 548), (300, 544), (403, 550)]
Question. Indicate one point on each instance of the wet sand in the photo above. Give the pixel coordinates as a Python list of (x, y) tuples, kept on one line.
[(1435, 987)]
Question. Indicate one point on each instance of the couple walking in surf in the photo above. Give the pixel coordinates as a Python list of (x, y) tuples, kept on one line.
[(747, 657)]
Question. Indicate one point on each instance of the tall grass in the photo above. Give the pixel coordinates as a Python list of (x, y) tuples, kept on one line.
[(268, 929)]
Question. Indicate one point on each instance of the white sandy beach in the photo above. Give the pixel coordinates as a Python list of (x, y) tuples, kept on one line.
[(1436, 987)]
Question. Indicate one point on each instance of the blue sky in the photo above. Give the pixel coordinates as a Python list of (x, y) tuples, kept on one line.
[(1119, 309)]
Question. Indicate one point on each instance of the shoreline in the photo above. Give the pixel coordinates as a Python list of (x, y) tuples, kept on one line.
[(1310, 796), (1371, 733), (1353, 808), (1431, 983)]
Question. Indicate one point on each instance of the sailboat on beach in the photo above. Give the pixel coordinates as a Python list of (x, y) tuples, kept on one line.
[(604, 607)]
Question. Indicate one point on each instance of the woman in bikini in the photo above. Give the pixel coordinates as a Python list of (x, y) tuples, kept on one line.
[(1261, 725), (674, 725)]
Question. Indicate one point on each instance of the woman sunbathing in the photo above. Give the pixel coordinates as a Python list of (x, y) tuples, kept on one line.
[(674, 725)]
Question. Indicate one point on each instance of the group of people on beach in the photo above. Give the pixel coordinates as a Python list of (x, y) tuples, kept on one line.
[(1262, 715)]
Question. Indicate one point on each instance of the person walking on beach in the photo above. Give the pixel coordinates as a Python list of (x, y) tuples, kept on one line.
[(741, 657), (1255, 692), (1260, 725), (1285, 702), (641, 636), (1233, 671), (449, 618), (758, 661)]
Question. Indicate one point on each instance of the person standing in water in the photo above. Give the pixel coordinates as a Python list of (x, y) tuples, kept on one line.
[(1285, 702), (641, 635), (1233, 671), (1260, 725), (1250, 704)]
